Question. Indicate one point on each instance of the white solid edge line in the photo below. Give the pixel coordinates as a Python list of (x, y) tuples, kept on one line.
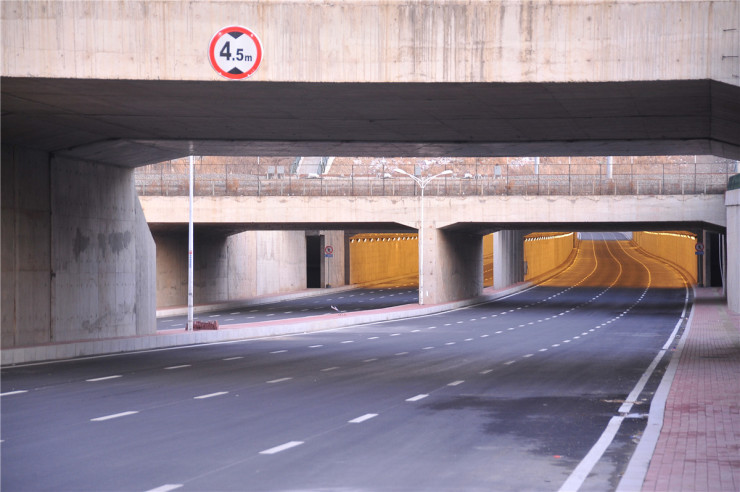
[(282, 447), (8, 393), (209, 395), (166, 487), (637, 468), (114, 416), (362, 418), (581, 472)]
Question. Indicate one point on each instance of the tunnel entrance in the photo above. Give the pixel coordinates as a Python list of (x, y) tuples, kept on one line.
[(314, 249)]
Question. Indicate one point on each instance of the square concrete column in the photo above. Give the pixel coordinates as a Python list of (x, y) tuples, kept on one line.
[(453, 265)]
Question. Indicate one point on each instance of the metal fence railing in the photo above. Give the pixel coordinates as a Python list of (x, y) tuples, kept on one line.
[(470, 177)]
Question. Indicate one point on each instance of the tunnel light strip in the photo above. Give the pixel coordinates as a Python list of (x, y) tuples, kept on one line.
[(673, 234), (540, 238)]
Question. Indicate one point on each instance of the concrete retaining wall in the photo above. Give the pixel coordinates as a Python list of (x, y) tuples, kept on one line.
[(77, 255), (675, 247), (226, 268)]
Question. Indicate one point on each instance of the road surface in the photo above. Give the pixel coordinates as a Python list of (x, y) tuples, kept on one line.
[(508, 395)]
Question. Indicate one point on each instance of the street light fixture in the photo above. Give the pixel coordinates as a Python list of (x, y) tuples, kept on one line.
[(422, 182)]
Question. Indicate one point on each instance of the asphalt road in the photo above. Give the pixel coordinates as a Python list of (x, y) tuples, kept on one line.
[(509, 395), (345, 301)]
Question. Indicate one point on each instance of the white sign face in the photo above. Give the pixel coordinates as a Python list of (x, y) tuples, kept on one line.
[(235, 52)]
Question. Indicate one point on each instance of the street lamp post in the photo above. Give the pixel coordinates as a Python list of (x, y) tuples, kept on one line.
[(422, 182)]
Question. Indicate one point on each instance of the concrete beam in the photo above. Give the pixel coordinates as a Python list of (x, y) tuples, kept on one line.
[(478, 214)]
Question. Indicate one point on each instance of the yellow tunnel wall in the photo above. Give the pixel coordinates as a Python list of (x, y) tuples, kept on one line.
[(545, 252), (384, 259), (677, 248)]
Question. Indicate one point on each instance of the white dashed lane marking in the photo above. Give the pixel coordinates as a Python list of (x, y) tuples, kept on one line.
[(363, 418), (282, 447), (114, 416), (104, 378)]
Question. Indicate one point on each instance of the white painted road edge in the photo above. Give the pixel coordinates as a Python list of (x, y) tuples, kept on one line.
[(637, 468), (581, 472)]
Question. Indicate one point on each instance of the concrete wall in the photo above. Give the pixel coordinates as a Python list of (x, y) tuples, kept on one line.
[(233, 267), (545, 252), (77, 256), (675, 247), (379, 41), (732, 200), (26, 248)]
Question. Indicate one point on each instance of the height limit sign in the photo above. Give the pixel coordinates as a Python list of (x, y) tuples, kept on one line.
[(235, 52)]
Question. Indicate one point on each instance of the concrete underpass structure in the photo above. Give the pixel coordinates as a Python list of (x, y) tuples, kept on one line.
[(455, 226), (93, 89)]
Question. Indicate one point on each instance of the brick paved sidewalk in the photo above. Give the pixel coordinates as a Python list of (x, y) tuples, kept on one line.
[(699, 445)]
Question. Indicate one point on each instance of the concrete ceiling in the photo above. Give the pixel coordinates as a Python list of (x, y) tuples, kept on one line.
[(136, 122)]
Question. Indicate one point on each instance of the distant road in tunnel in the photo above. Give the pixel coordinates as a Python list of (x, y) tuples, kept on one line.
[(507, 395)]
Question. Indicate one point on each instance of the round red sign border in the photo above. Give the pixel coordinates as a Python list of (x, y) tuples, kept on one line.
[(221, 33)]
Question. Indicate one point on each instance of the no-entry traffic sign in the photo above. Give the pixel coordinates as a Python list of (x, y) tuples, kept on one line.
[(235, 52)]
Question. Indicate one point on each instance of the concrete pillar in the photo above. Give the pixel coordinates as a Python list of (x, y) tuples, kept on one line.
[(732, 201), (77, 255), (508, 258), (453, 266), (334, 265)]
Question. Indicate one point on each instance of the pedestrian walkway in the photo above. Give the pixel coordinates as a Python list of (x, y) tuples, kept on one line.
[(699, 444)]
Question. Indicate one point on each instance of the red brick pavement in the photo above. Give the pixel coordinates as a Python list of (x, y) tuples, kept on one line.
[(699, 444)]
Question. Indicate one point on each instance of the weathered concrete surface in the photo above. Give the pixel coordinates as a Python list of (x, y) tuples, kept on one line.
[(130, 83), (77, 255), (26, 248), (732, 198), (453, 265), (482, 214), (379, 41), (508, 258), (229, 267)]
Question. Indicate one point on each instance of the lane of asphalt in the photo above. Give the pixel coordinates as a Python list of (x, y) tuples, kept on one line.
[(505, 387), (345, 301)]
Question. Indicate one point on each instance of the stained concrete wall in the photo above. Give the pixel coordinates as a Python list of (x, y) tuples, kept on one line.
[(544, 252), (379, 41), (26, 248), (77, 256), (452, 267), (233, 267), (732, 200), (676, 247)]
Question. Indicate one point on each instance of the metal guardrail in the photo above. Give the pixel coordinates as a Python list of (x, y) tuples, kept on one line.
[(550, 179)]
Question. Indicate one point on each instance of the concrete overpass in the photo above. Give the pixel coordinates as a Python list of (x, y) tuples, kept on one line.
[(92, 89)]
